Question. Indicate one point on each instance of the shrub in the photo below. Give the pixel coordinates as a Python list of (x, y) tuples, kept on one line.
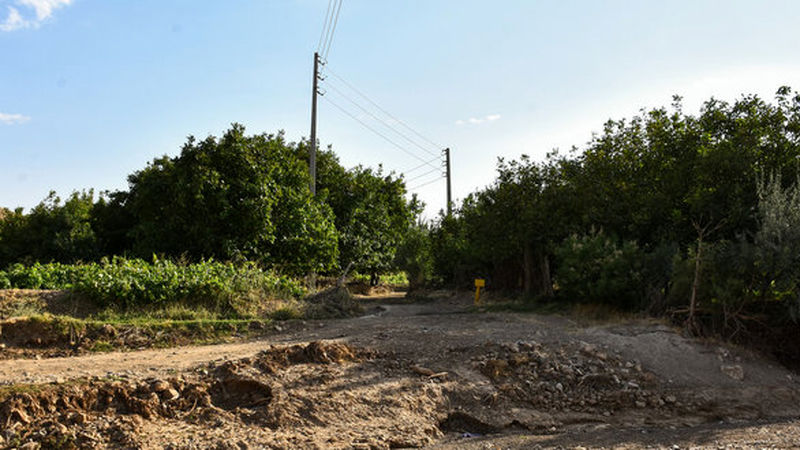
[(595, 268)]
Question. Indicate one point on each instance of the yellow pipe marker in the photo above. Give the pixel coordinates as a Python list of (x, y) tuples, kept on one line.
[(479, 283)]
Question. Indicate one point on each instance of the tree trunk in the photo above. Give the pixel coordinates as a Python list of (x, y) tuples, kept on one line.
[(527, 269), (691, 320), (536, 272)]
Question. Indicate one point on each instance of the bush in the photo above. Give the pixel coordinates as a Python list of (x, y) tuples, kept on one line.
[(595, 268), (414, 256)]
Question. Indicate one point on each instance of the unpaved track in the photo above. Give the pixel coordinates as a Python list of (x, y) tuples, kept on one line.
[(381, 321), (748, 400)]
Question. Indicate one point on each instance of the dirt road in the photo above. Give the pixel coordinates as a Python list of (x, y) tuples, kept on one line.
[(434, 374)]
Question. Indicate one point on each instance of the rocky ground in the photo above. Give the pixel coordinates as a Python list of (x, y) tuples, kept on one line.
[(411, 375)]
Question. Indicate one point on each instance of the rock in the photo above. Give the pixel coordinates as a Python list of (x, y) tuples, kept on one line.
[(423, 371), (170, 394), (160, 386), (77, 417), (640, 404), (670, 399), (734, 371)]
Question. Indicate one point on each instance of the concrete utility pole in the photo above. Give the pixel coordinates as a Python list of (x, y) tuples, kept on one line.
[(449, 193), (312, 153)]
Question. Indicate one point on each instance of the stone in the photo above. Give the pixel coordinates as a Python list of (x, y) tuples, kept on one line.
[(160, 386), (734, 371), (170, 394)]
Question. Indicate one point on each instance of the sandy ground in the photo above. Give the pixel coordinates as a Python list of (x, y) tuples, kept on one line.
[(436, 375)]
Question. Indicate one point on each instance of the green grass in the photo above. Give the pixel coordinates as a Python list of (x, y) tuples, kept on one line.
[(391, 279)]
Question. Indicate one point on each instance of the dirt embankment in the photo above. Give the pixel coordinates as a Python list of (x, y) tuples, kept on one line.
[(408, 375)]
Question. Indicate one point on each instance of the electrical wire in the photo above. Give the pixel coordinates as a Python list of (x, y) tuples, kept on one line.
[(352, 116), (325, 26), (420, 166), (423, 175), (423, 184), (366, 111), (333, 30), (418, 134)]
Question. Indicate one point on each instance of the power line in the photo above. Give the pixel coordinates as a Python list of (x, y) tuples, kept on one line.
[(376, 131), (420, 135), (423, 184), (424, 174), (333, 30), (325, 26), (420, 166), (385, 123)]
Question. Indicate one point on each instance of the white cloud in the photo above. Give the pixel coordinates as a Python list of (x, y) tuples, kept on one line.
[(479, 120), (12, 119), (43, 10), (14, 20)]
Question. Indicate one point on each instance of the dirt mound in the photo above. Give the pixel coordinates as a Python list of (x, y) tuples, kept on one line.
[(274, 394), (362, 288), (276, 358), (332, 303)]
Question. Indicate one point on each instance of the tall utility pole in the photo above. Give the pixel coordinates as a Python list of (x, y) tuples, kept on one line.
[(312, 153), (447, 173)]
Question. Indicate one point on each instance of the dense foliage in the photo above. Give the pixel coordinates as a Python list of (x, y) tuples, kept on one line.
[(666, 211), (234, 198), (134, 284)]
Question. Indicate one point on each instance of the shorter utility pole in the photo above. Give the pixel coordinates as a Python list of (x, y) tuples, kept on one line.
[(312, 153), (448, 175)]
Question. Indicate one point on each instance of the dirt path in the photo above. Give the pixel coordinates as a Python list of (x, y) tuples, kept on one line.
[(526, 380)]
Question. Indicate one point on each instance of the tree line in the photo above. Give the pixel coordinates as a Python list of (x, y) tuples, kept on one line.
[(238, 197), (696, 215)]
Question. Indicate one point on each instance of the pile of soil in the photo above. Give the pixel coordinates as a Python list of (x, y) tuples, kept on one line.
[(332, 303), (282, 397)]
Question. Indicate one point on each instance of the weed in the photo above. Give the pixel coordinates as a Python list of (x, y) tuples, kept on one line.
[(102, 346)]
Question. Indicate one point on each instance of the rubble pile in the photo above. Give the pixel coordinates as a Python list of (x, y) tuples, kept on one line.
[(576, 377)]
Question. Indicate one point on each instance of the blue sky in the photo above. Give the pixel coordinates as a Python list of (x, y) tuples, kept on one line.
[(92, 90)]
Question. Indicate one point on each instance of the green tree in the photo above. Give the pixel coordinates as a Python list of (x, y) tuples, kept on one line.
[(51, 231), (234, 197), (372, 213)]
